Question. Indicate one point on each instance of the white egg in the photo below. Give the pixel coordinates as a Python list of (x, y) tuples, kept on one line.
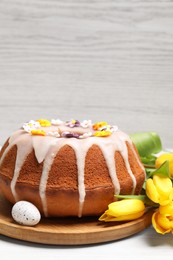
[(25, 213)]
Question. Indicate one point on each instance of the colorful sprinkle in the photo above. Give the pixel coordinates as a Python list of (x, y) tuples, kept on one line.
[(86, 123), (31, 125), (38, 132), (99, 129), (113, 128), (73, 123), (70, 135), (44, 122), (56, 122), (99, 125), (54, 134), (102, 133), (85, 135)]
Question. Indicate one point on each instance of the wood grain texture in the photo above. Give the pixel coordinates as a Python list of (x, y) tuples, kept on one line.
[(69, 231), (102, 60)]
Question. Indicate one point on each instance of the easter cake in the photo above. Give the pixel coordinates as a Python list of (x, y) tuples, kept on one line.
[(69, 168)]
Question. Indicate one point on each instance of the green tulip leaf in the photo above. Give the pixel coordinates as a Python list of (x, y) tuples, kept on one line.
[(163, 170), (144, 198), (140, 197), (148, 144), (149, 160)]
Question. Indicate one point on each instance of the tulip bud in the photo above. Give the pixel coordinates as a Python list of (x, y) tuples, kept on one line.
[(124, 210)]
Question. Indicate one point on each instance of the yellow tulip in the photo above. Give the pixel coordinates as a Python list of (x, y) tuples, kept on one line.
[(165, 157), (159, 189), (167, 210), (124, 210), (162, 219)]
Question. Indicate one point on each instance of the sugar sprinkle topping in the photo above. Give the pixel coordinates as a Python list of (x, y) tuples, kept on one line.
[(69, 129)]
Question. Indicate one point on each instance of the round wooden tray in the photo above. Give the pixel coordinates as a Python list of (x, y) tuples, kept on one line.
[(69, 231)]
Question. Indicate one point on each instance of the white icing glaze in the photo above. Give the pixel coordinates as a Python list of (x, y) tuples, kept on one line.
[(18, 139), (46, 148)]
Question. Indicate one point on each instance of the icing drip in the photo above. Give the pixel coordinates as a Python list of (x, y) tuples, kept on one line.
[(125, 138), (124, 154), (18, 139), (41, 146), (22, 154), (108, 153), (47, 147), (80, 160), (44, 177)]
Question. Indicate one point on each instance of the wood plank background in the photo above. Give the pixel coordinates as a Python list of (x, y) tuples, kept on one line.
[(108, 60)]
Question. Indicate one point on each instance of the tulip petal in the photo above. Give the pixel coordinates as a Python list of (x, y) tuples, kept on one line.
[(167, 210), (108, 218), (162, 223), (104, 216), (128, 217), (171, 168), (125, 207), (156, 224), (151, 191), (163, 185)]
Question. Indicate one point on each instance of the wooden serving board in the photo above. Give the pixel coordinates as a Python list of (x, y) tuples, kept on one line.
[(69, 231)]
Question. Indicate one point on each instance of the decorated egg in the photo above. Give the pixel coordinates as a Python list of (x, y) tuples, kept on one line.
[(25, 213)]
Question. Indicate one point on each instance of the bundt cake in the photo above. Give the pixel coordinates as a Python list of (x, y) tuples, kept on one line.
[(69, 168)]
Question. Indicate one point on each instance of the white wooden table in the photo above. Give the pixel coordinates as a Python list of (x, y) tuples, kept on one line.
[(99, 60)]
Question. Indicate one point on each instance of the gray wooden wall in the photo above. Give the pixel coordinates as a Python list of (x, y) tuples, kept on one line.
[(108, 60)]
